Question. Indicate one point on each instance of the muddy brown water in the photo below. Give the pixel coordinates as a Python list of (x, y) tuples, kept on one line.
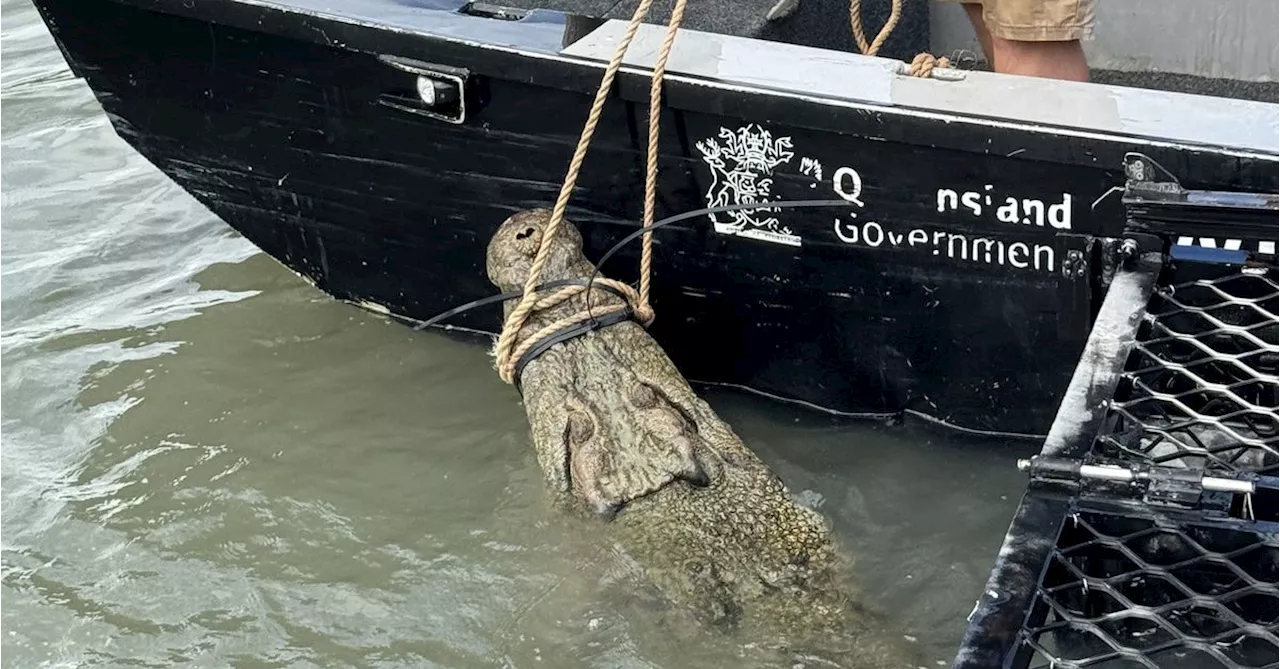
[(208, 463)]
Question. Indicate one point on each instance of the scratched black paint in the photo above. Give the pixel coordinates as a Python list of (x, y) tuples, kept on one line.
[(271, 119)]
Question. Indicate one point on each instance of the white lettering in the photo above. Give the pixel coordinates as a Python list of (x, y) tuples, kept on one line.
[(854, 189), (1025, 211), (1021, 249), (948, 200), (982, 250), (867, 229), (1232, 244), (1047, 251), (1008, 212), (1267, 247), (1060, 214), (985, 252), (1033, 212), (847, 232)]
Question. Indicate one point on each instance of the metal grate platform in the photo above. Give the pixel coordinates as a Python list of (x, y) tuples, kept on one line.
[(1147, 537), (1200, 389), (1133, 590)]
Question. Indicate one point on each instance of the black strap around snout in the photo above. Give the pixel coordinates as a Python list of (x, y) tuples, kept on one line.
[(611, 318)]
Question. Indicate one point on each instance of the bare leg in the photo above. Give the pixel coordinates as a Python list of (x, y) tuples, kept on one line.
[(1053, 60), (974, 10)]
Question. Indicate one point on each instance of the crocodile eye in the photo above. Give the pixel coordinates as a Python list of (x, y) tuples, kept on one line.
[(643, 397), (580, 427), (527, 239)]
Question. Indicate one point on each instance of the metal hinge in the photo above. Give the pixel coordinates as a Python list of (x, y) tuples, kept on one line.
[(1160, 485)]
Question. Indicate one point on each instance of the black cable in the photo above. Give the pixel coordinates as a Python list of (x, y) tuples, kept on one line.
[(503, 297), (794, 204), (611, 319), (566, 334)]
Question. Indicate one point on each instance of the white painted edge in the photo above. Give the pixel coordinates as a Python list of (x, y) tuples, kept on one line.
[(742, 60), (1162, 116), (1113, 332)]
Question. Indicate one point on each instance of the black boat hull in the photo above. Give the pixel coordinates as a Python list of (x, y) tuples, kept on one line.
[(959, 284)]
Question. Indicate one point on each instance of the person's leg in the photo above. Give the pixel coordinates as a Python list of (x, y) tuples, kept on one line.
[(1039, 38), (1053, 60), (974, 10)]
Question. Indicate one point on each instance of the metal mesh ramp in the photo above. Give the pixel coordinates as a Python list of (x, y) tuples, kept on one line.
[(1200, 390), (1132, 590), (1147, 537)]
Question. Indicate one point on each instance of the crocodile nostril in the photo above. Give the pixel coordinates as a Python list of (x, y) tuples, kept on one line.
[(526, 233)]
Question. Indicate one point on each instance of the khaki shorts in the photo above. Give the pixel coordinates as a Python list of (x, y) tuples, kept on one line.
[(1037, 20)]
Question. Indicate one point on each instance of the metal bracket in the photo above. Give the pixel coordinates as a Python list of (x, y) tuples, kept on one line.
[(1220, 227), (1074, 266), (1166, 486), (1144, 175), (491, 11), (1041, 466)]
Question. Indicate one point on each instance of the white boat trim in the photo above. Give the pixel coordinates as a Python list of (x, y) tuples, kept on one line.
[(1096, 109)]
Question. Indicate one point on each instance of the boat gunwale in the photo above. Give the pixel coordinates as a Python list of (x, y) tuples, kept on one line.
[(537, 36), (895, 91)]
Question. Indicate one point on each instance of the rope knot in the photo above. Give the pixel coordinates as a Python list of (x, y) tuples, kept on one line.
[(515, 348), (924, 63), (644, 313)]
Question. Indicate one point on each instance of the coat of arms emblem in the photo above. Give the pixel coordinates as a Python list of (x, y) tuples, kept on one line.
[(742, 170)]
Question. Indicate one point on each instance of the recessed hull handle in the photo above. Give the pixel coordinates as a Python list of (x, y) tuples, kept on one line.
[(431, 90)]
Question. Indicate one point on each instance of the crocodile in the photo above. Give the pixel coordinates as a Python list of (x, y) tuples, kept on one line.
[(622, 438)]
